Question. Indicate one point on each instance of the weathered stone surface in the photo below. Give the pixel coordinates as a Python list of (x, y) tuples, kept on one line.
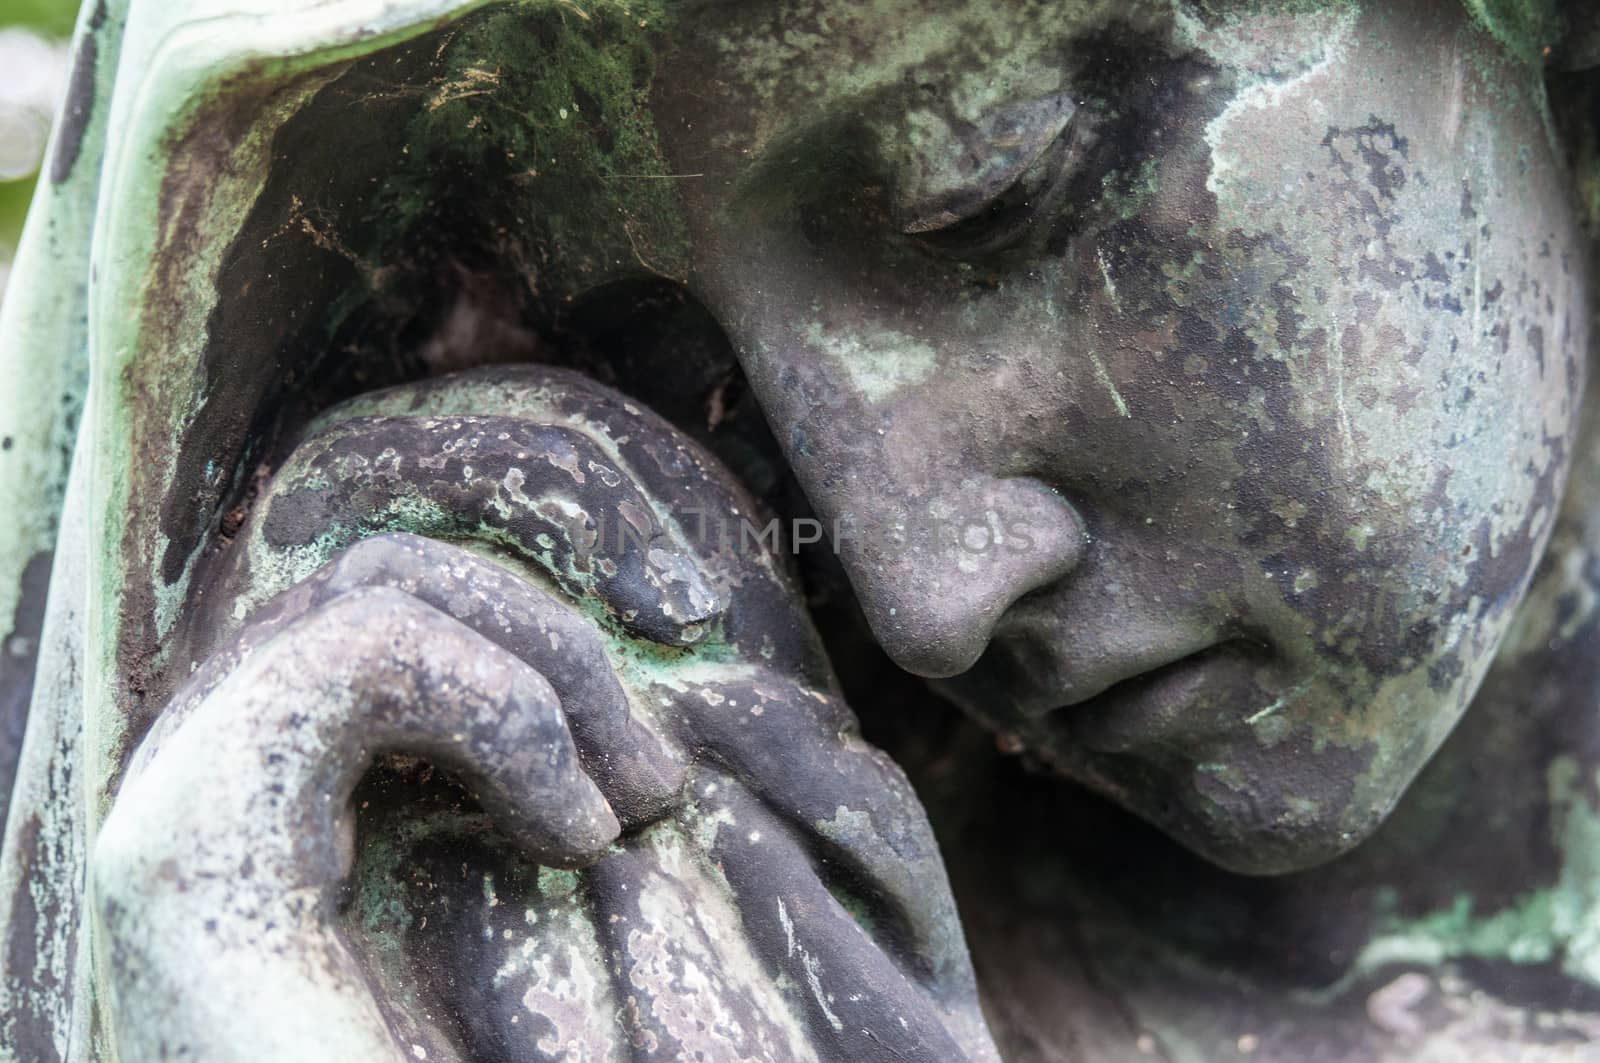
[(1192, 393)]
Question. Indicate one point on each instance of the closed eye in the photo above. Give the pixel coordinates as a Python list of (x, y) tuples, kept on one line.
[(1019, 162), (1008, 218)]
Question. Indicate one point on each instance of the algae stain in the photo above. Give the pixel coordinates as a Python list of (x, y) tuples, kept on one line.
[(1104, 376), (879, 362), (1555, 923)]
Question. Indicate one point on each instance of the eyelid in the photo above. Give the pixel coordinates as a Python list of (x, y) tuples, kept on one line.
[(999, 148)]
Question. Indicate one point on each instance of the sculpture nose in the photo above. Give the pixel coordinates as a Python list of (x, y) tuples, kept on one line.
[(937, 540), (901, 448), (934, 572)]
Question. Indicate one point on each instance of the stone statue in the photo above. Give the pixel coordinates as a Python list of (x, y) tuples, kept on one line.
[(465, 457)]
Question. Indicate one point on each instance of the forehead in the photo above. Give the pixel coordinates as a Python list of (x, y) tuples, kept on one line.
[(784, 61), (1245, 93), (1315, 179)]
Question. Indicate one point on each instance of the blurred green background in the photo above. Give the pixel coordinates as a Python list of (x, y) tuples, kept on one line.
[(51, 17), (33, 58)]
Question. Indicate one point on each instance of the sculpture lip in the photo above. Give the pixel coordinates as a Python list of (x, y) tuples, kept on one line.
[(1157, 701), (1083, 683)]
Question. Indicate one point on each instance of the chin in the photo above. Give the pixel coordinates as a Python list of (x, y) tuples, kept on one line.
[(1177, 757), (1252, 833), (1274, 820), (1273, 849)]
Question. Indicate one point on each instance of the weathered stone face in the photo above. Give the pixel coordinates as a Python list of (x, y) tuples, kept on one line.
[(1191, 386)]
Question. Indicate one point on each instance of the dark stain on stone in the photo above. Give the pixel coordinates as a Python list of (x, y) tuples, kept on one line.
[(19, 653), (78, 107), (31, 1029)]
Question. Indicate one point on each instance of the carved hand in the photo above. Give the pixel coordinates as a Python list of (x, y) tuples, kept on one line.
[(755, 881)]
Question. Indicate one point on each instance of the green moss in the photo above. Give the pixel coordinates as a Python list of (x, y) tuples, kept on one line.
[(1128, 193), (547, 107), (1229, 9), (1554, 923), (1527, 28), (856, 907), (1521, 933), (382, 904), (1586, 165), (556, 883)]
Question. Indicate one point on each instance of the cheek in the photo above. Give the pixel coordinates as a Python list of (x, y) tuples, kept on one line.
[(1378, 384), (1417, 279)]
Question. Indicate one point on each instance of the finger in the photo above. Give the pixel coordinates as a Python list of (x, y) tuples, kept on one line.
[(696, 987), (858, 1004), (639, 774), (800, 752), (519, 962), (217, 866), (372, 671), (741, 546), (547, 492)]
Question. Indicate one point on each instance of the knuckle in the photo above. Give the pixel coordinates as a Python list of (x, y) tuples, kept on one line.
[(367, 607), (382, 549)]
